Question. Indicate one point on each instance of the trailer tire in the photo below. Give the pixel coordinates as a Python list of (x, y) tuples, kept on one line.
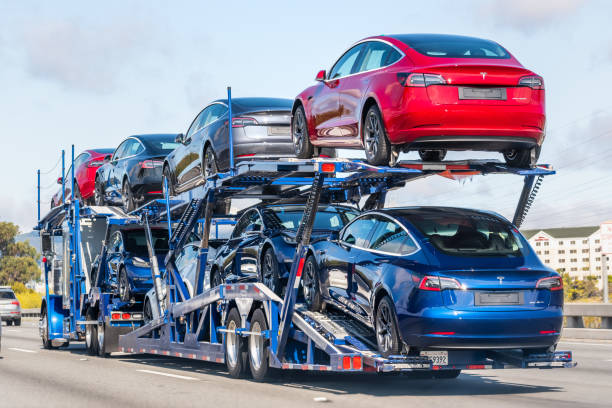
[(235, 353), (91, 339), (101, 341), (258, 347), (45, 336)]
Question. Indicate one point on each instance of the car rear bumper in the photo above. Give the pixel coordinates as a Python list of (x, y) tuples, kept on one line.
[(10, 315), (445, 328), (417, 122)]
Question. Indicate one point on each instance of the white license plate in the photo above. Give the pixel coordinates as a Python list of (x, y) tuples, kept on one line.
[(278, 130), (438, 358)]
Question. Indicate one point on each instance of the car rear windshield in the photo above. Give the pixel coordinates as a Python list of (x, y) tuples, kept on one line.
[(327, 218), (449, 46), (135, 242), (7, 294), (468, 234)]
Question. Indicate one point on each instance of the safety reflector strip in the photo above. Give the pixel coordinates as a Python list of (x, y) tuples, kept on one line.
[(300, 268), (305, 367)]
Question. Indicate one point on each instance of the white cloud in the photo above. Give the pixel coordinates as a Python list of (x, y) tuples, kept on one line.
[(85, 56), (530, 15)]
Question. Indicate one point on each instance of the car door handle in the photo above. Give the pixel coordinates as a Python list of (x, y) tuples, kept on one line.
[(322, 252)]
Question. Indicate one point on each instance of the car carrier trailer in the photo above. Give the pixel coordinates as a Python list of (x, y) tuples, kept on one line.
[(246, 325)]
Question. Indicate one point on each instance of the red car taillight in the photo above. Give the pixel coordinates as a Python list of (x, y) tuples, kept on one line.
[(151, 164), (96, 163), (532, 81), (420, 80), (437, 284), (552, 283), (242, 122), (15, 302)]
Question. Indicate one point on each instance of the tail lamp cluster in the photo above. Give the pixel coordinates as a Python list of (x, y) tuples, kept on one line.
[(352, 363), (552, 283), (239, 122), (151, 164), (96, 163), (436, 284), (417, 79), (126, 316)]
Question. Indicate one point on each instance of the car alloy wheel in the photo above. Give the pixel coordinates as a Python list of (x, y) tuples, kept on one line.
[(310, 285), (167, 183), (147, 313), (375, 141), (99, 195), (210, 163), (270, 276), (127, 197), (124, 286), (386, 329), (299, 133)]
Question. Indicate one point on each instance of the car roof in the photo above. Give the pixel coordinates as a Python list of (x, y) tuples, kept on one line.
[(248, 103), (417, 37), (423, 210), (156, 137), (101, 151)]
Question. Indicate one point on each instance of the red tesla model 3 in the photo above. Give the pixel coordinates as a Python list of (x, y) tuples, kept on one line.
[(86, 164), (425, 92)]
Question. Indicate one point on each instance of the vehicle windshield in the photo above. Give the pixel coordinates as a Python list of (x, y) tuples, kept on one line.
[(135, 242), (162, 146), (7, 294), (451, 46), (467, 233), (327, 218)]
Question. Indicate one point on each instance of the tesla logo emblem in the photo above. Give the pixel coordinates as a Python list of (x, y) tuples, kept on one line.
[(484, 74), (500, 279)]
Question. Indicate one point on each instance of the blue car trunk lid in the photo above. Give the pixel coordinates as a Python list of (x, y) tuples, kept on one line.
[(496, 290)]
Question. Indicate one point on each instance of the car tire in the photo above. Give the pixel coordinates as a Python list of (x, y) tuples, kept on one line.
[(432, 155), (387, 333), (375, 142), (209, 163), (520, 158), (124, 286), (258, 347), (299, 135), (147, 311), (9, 322), (17, 322), (235, 350), (310, 285), (127, 196), (269, 271), (77, 195), (99, 194), (167, 179)]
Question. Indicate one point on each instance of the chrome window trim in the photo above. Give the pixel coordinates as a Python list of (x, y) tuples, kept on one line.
[(206, 107), (392, 219), (133, 155), (370, 70)]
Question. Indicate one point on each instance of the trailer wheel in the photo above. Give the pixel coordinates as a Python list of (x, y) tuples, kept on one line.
[(101, 341), (258, 347), (45, 334), (387, 335), (235, 354), (91, 339), (310, 285)]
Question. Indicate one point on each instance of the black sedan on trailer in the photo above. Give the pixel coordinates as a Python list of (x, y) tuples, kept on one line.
[(261, 130), (133, 174)]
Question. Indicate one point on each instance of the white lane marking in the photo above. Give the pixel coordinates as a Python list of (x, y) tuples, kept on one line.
[(22, 350), (578, 343), (181, 377)]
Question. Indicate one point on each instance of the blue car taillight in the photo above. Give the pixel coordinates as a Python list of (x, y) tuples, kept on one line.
[(437, 284)]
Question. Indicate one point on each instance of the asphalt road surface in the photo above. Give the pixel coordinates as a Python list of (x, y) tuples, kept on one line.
[(33, 377)]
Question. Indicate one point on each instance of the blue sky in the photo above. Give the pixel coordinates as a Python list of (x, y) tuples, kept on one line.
[(93, 74)]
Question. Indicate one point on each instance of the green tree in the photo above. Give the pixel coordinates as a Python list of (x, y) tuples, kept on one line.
[(18, 260)]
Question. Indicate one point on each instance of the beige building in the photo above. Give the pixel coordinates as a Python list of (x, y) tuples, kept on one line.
[(573, 250)]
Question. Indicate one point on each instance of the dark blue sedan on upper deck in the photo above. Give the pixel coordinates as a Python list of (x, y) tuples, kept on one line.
[(436, 277)]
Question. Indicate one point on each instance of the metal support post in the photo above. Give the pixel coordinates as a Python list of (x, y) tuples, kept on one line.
[(203, 253), (155, 273), (303, 237), (72, 174), (169, 218), (604, 277), (230, 125), (38, 193), (63, 176)]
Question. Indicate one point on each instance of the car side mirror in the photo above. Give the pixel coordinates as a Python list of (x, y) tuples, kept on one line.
[(59, 180), (107, 157), (321, 75), (180, 138)]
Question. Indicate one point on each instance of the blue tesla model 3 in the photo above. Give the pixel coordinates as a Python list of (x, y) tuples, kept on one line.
[(436, 277)]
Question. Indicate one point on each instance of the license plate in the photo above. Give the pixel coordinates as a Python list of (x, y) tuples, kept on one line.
[(482, 93), (498, 298), (438, 358), (278, 130)]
